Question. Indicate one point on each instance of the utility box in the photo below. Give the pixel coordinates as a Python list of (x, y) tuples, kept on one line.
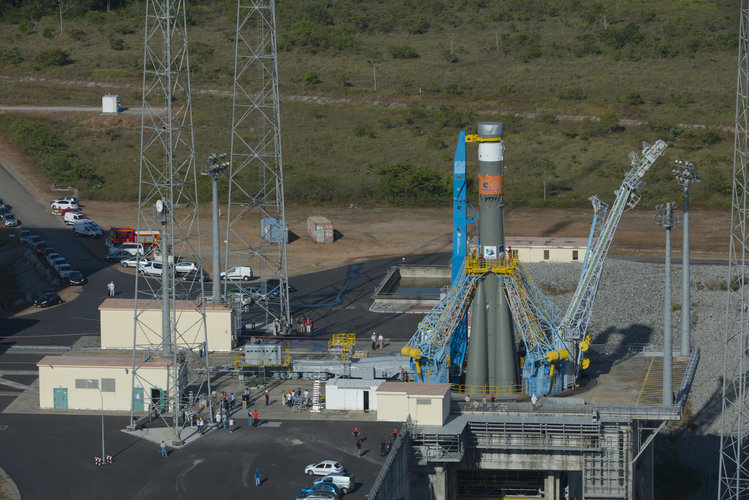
[(110, 104), (320, 229), (274, 230)]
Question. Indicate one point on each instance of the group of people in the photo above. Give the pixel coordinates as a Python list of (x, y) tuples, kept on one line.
[(290, 395), (377, 339), (300, 325)]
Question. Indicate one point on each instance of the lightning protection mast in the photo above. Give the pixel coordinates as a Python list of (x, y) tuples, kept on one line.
[(169, 331), (257, 232), (734, 448)]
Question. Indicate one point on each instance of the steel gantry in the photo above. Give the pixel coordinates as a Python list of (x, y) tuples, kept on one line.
[(553, 342)]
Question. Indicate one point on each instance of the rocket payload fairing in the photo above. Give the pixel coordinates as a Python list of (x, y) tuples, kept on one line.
[(491, 350)]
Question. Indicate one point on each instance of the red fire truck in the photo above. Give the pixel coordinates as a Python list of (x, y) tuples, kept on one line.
[(117, 235)]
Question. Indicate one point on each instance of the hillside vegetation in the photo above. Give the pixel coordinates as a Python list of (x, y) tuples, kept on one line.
[(381, 89)]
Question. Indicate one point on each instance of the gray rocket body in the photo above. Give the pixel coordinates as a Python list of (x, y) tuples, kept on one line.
[(491, 350)]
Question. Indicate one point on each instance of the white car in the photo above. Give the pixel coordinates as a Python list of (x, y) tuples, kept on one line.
[(323, 468), (71, 216), (344, 481), (134, 261), (61, 204), (51, 258), (24, 236), (238, 273), (132, 248), (10, 220), (186, 266), (151, 268), (64, 270)]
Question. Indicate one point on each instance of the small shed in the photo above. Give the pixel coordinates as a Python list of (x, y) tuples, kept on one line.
[(320, 229), (351, 394), (274, 230), (93, 382), (428, 404), (110, 104)]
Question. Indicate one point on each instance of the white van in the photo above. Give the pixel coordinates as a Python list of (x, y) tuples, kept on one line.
[(87, 227), (238, 273), (70, 217), (132, 248)]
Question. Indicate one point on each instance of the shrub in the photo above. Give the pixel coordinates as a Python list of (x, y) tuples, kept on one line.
[(26, 27), (52, 57), (508, 88), (49, 32), (364, 131), (407, 184), (572, 94), (403, 52), (631, 98), (618, 38), (116, 43), (547, 118), (311, 78), (11, 56), (76, 33), (417, 25)]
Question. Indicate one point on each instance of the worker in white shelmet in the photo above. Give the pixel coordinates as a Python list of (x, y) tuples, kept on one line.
[(534, 400)]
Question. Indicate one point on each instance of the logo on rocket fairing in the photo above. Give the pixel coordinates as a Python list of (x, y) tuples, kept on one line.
[(490, 184)]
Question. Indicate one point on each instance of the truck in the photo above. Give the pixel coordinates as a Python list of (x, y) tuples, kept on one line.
[(118, 235)]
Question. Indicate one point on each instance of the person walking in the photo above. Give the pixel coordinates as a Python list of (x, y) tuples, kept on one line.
[(355, 433), (257, 477), (255, 419), (267, 397), (306, 396), (383, 445), (232, 399), (110, 288), (162, 449), (231, 425), (276, 326), (534, 400), (308, 325), (374, 340), (394, 433), (358, 447), (380, 339), (201, 423)]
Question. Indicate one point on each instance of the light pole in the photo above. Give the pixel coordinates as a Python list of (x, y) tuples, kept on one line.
[(101, 395), (215, 168)]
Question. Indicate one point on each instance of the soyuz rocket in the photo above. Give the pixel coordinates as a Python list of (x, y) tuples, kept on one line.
[(491, 349)]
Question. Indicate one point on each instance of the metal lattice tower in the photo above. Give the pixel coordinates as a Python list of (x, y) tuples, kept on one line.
[(256, 194), (734, 456), (167, 204)]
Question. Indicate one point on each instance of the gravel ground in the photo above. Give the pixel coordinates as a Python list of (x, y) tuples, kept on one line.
[(629, 309)]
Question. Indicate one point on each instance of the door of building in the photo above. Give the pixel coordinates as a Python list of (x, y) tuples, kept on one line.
[(138, 399), (366, 400), (60, 396)]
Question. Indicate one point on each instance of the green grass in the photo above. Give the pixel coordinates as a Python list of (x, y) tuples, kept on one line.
[(554, 58)]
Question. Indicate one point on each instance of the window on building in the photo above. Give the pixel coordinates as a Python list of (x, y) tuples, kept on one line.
[(546, 255), (423, 401), (107, 385), (86, 383), (574, 255)]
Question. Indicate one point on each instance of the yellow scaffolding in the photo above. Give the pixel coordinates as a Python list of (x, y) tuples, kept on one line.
[(341, 345)]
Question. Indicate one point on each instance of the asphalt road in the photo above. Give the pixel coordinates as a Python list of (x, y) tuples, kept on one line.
[(52, 457)]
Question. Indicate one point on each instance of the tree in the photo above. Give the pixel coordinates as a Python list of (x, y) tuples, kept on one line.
[(373, 58), (545, 168), (64, 6)]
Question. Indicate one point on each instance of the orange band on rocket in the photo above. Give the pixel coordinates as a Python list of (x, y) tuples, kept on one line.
[(490, 184)]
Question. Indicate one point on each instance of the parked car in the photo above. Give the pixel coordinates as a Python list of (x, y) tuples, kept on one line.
[(134, 261), (76, 278), (32, 240), (318, 495), (198, 275), (48, 251), (51, 258), (58, 262), (115, 255), (4, 208), (273, 286), (186, 266), (60, 204), (323, 468), (245, 296), (151, 268), (238, 273), (326, 487), (47, 299), (10, 220), (132, 248), (64, 270), (345, 482), (40, 247), (24, 236)]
